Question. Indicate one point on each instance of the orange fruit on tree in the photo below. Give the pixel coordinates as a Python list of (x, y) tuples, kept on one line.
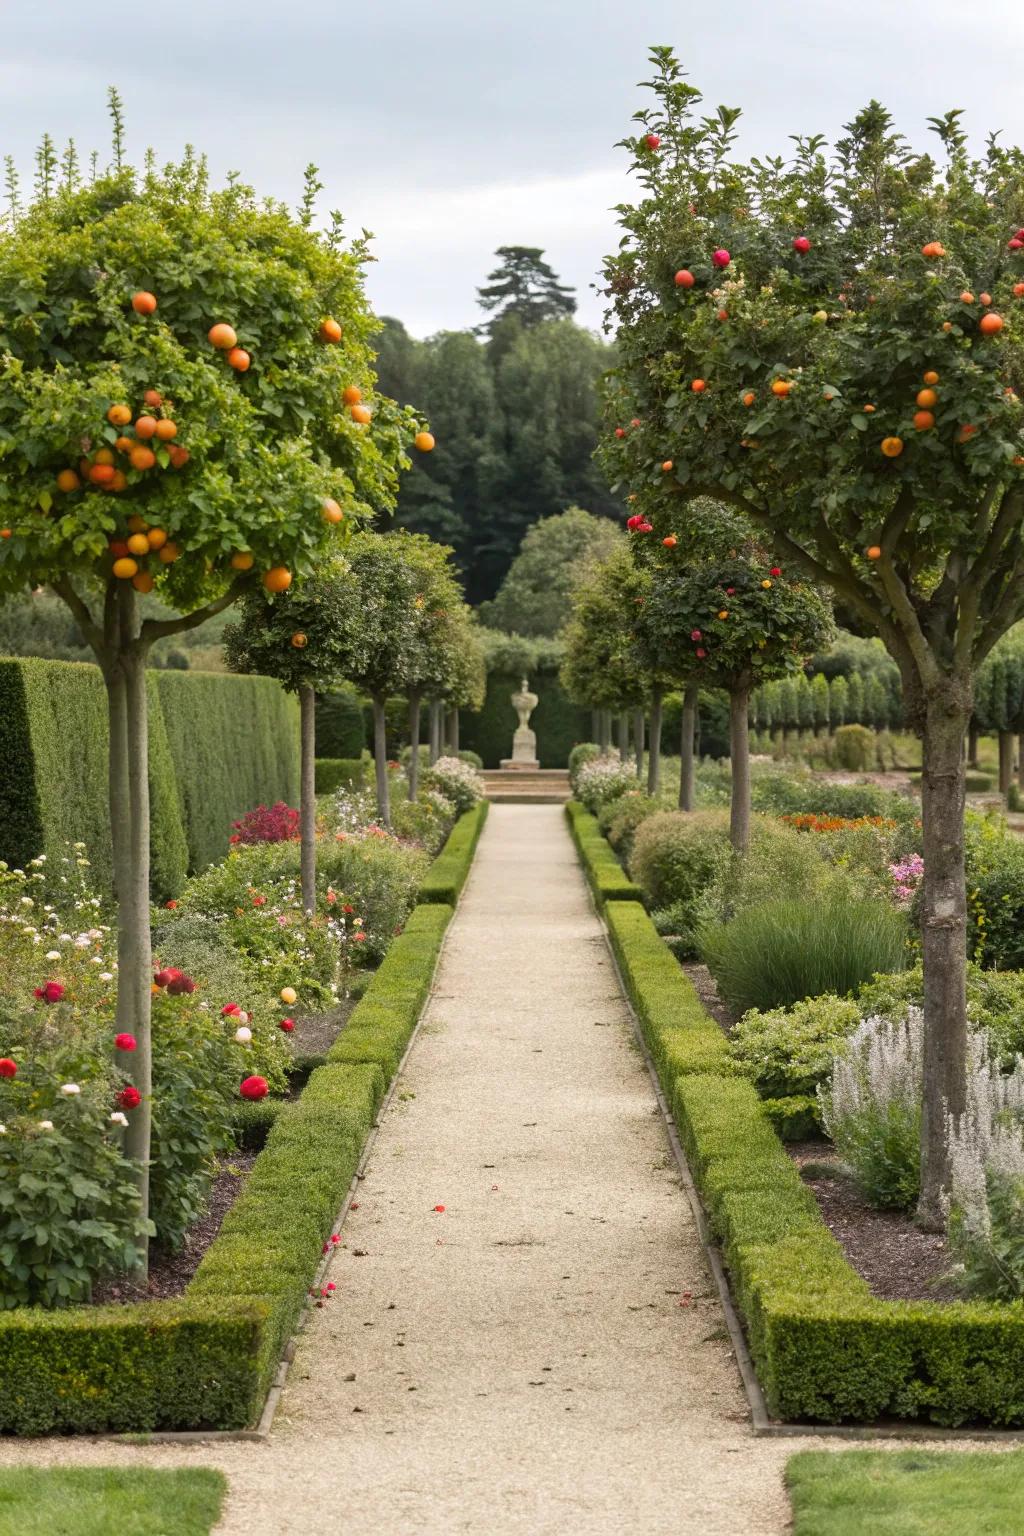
[(723, 613), (125, 568), (1018, 290), (351, 394), (990, 324), (933, 249), (143, 582), (361, 413), (141, 457), (947, 325), (923, 420), (239, 359), (330, 511), (166, 429), (101, 474), (156, 538), (178, 455), (749, 397), (667, 467), (124, 444), (119, 482), (144, 303), (103, 456), (119, 415), (781, 387), (892, 447), (83, 468), (874, 552), (137, 523), (931, 377), (242, 560), (169, 553), (67, 480), (145, 427), (222, 337), (299, 640), (698, 386), (985, 298), (868, 409), (926, 398), (965, 432), (424, 441), (330, 330), (138, 544), (967, 297), (277, 579), (5, 533), (153, 397)]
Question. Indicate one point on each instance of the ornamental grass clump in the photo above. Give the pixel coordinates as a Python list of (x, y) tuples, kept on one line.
[(872, 1108)]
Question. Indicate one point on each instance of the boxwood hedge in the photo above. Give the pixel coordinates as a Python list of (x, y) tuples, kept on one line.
[(447, 874), (605, 875)]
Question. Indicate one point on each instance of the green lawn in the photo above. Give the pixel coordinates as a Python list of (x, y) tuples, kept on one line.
[(107, 1501), (907, 1493)]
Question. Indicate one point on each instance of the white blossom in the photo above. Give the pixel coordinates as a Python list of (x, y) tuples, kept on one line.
[(46, 1125), (119, 1118), (69, 1090)]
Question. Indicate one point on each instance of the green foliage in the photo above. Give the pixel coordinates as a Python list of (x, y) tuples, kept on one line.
[(524, 287), (339, 773), (855, 748), (251, 1120), (613, 655), (340, 724), (606, 877), (995, 1003), (678, 858), (775, 954), (995, 893), (447, 875), (619, 819), (583, 752), (862, 1493), (789, 1051), (787, 795), (535, 598), (323, 611), (34, 1501), (778, 859)]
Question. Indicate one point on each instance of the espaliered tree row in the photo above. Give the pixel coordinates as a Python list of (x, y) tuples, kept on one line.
[(186, 406), (833, 344), (817, 703)]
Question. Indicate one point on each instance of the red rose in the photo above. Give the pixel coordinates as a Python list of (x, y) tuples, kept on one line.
[(259, 901), (179, 984), (50, 992), (695, 634), (776, 570), (254, 1088), (171, 905), (166, 976), (129, 1097), (287, 1025), (331, 1285), (701, 654), (230, 1011), (8, 1068), (348, 908), (125, 1042)]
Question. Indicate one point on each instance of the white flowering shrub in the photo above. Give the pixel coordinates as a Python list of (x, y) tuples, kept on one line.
[(459, 782), (872, 1107), (603, 779), (985, 1204)]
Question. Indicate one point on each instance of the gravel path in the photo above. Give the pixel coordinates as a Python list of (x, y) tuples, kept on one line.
[(546, 1354)]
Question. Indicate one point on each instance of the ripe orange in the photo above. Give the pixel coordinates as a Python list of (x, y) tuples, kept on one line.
[(1018, 290), (926, 398), (892, 447), (119, 415), (141, 457), (166, 429), (361, 413), (143, 582), (153, 397), (424, 441), (868, 409), (138, 544), (985, 298), (124, 444), (330, 330), (222, 337), (330, 511), (352, 394), (67, 480), (723, 613), (137, 524), (933, 249), (874, 552), (169, 553), (967, 297), (145, 427), (749, 397), (101, 474), (966, 432), (178, 455), (125, 568), (781, 387), (670, 542), (144, 303), (277, 579), (698, 386), (242, 560), (667, 467), (103, 456), (156, 538), (239, 359), (931, 377), (947, 325), (120, 481), (923, 420), (5, 533), (299, 640), (990, 324)]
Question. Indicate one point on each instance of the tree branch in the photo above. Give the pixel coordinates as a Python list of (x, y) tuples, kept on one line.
[(92, 632), (157, 629)]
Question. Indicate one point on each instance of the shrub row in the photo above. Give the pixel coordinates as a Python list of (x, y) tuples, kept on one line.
[(605, 875), (447, 875), (53, 743), (333, 772), (825, 1349)]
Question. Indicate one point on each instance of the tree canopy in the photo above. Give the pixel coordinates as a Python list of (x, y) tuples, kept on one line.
[(524, 287), (535, 598)]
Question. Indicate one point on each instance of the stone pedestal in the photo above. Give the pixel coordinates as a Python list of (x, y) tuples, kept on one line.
[(524, 741)]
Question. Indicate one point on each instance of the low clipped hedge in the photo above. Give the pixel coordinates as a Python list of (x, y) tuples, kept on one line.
[(606, 877), (825, 1349), (448, 873), (332, 772)]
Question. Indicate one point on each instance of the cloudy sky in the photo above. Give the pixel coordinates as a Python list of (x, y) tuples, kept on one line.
[(454, 127)]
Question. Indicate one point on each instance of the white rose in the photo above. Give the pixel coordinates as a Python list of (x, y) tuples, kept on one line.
[(118, 1118), (46, 1125), (69, 1090), (243, 1035)]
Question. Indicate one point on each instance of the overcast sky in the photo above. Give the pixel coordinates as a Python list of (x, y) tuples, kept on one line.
[(454, 127)]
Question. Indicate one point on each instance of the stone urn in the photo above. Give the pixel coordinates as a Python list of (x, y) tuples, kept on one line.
[(524, 741)]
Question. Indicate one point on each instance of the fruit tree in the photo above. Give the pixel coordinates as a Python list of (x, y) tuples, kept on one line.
[(185, 397), (856, 322)]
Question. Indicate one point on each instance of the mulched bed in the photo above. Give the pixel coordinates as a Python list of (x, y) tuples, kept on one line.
[(315, 1033), (897, 1259), (707, 991), (170, 1273)]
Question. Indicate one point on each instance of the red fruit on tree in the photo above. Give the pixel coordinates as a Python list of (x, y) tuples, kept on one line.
[(652, 140), (684, 279), (144, 303), (721, 258), (801, 244)]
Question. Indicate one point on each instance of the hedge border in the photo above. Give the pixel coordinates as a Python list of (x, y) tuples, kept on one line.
[(448, 873), (208, 1360), (825, 1350), (606, 877)]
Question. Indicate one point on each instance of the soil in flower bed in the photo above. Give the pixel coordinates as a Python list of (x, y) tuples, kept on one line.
[(886, 1248), (170, 1273), (315, 1033), (706, 989)]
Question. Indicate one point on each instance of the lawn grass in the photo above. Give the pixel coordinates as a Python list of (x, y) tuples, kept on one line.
[(907, 1493), (101, 1501)]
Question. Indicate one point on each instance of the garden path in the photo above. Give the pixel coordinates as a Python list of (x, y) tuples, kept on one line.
[(527, 1361)]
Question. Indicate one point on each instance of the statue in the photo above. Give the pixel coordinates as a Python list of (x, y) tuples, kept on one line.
[(524, 741)]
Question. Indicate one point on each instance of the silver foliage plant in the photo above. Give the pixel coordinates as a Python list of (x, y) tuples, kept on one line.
[(872, 1107)]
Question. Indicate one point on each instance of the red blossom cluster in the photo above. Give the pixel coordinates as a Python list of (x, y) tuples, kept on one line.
[(277, 823)]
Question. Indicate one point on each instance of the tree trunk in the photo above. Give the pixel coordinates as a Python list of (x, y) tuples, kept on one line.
[(435, 730), (638, 741), (624, 734), (739, 759), (972, 745), (603, 730), (686, 763), (1005, 761), (654, 747), (943, 944), (414, 744), (380, 760), (307, 796), (453, 731), (1020, 760)]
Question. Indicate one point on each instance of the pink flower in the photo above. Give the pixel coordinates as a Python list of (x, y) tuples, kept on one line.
[(230, 1011), (125, 1042), (348, 907), (701, 653), (129, 1097), (180, 984), (331, 1285), (259, 901), (359, 938), (50, 992), (695, 634), (171, 905)]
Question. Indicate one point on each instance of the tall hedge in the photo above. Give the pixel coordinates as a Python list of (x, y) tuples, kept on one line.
[(340, 723), (218, 745)]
